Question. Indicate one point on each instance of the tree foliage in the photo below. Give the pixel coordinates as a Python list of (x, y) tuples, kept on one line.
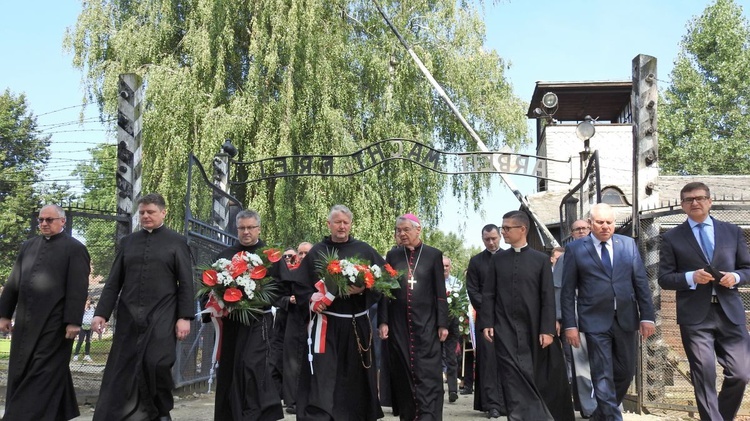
[(98, 180), (301, 77), (23, 153), (452, 247), (704, 123)]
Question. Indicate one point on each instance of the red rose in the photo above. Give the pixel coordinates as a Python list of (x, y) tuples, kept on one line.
[(334, 267), (210, 277), (274, 255), (369, 279), (390, 270), (232, 295), (258, 272)]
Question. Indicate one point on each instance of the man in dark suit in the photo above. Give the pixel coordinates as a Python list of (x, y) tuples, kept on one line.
[(709, 310), (614, 301)]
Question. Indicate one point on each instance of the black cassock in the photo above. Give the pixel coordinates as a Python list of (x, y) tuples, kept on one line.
[(153, 276), (47, 289), (518, 301), (294, 339), (488, 389), (413, 318), (343, 386), (245, 389)]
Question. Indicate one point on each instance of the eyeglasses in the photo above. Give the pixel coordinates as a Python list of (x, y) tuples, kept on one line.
[(248, 228), (699, 199), (581, 229), (288, 256), (508, 228), (47, 220)]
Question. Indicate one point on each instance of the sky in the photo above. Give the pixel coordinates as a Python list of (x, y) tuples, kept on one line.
[(543, 40)]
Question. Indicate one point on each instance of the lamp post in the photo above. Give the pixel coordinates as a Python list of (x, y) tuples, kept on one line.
[(585, 131)]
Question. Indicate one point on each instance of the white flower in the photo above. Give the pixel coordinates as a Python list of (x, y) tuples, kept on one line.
[(450, 299), (224, 278), (376, 271), (455, 294), (244, 281), (348, 270), (254, 259), (222, 264), (460, 318)]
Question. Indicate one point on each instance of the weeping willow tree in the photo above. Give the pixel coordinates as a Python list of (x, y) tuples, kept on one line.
[(286, 77)]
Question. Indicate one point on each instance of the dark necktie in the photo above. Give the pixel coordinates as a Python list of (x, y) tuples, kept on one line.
[(708, 248), (606, 260)]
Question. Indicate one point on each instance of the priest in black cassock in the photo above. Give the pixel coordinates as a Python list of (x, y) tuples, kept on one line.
[(518, 316), (415, 323), (153, 277), (488, 394), (295, 334), (340, 381), (245, 389), (47, 290)]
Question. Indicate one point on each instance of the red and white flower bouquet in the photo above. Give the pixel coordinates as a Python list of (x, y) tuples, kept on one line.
[(241, 287), (340, 274)]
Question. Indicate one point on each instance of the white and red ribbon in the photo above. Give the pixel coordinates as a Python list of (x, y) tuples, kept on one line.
[(215, 308), (320, 321)]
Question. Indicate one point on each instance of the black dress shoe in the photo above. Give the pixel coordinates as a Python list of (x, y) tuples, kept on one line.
[(291, 409), (452, 397), (466, 391), (493, 413), (163, 418)]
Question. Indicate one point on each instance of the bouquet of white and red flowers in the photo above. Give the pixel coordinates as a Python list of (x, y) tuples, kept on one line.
[(241, 287), (458, 306), (340, 274)]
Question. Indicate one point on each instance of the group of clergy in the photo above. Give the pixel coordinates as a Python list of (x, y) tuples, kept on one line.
[(604, 303)]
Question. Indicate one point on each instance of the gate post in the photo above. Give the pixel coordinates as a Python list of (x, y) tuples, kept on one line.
[(129, 124), (220, 214), (643, 101)]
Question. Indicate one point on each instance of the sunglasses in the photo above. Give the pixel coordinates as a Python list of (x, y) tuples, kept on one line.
[(47, 220), (288, 256)]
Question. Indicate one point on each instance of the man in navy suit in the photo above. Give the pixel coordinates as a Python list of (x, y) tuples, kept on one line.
[(607, 274), (709, 310)]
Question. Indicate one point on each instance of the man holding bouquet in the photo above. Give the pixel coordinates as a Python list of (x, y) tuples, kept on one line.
[(338, 275), (245, 388)]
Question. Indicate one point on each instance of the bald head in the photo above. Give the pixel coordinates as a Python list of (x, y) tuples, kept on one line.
[(602, 221)]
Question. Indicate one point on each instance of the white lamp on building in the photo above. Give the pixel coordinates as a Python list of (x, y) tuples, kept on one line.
[(585, 131)]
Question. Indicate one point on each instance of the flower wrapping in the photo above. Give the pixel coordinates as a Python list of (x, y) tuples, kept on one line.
[(340, 274), (241, 286)]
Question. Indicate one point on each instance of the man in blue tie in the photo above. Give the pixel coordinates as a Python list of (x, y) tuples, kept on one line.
[(614, 302), (709, 308)]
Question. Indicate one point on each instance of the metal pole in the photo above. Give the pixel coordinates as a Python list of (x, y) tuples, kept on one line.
[(467, 126)]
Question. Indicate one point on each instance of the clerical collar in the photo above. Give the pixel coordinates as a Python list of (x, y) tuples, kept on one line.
[(519, 249), (492, 252), (154, 229), (415, 247), (254, 243), (52, 236)]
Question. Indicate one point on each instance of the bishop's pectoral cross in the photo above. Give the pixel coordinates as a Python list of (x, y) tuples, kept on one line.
[(411, 282)]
